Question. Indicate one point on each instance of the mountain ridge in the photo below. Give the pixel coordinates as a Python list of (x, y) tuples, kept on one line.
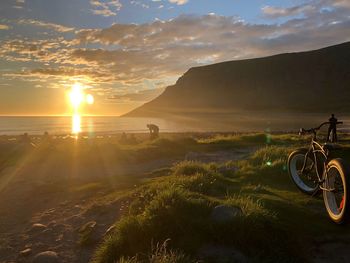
[(307, 81)]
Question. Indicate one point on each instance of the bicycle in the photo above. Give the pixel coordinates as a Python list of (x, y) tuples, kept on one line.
[(313, 170)]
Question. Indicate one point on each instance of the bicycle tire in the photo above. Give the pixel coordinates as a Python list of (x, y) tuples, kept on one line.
[(337, 204), (295, 162)]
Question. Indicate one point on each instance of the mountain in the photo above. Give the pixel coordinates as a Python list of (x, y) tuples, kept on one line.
[(312, 82)]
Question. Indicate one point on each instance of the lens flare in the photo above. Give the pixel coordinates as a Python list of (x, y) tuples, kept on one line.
[(89, 99)]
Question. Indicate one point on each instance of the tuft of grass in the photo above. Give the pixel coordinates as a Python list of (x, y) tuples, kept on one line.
[(229, 140), (267, 165), (173, 213), (270, 155), (192, 168), (159, 254), (250, 207)]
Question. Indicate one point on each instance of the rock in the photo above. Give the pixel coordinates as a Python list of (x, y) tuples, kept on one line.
[(225, 213), (38, 227), (88, 227), (110, 230), (46, 257), (26, 252), (59, 238)]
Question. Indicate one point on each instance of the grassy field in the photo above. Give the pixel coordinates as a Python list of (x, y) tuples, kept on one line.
[(168, 208), (276, 224)]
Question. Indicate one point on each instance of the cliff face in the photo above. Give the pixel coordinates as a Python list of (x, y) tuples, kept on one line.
[(313, 81)]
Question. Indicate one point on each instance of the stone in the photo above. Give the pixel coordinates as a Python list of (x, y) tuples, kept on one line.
[(38, 227), (26, 252), (46, 257), (225, 213), (88, 227)]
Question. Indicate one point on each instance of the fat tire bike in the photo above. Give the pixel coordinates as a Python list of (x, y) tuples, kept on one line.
[(313, 170)]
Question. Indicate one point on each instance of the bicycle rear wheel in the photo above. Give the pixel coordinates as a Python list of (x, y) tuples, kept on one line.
[(307, 182), (336, 193)]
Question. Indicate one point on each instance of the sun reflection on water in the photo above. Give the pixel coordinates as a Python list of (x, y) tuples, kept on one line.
[(76, 124), (78, 97)]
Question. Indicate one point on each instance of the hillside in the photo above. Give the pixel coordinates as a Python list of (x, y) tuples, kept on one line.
[(313, 81)]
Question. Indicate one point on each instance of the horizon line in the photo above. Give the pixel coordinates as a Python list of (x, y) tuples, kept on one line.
[(56, 115)]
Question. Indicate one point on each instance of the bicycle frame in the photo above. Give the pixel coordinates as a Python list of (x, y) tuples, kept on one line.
[(315, 148)]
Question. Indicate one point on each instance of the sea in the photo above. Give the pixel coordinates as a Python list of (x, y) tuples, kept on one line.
[(61, 125), (36, 125)]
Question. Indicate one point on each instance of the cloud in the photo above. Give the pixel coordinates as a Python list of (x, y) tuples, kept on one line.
[(61, 76), (109, 8), (138, 96), (275, 12), (307, 9), (178, 2), (48, 25), (341, 3), (128, 54), (4, 27), (19, 4), (55, 50), (167, 48), (139, 3)]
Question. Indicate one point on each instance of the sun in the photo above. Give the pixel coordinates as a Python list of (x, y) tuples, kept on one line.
[(76, 96)]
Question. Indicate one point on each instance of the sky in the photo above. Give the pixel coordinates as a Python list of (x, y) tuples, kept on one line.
[(125, 53)]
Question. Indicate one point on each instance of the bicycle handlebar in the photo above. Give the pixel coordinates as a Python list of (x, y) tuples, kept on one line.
[(303, 131)]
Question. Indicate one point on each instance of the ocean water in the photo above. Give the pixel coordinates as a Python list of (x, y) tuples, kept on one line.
[(85, 124), (111, 124)]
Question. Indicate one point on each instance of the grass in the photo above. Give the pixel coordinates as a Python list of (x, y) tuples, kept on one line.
[(178, 207), (160, 254), (169, 213)]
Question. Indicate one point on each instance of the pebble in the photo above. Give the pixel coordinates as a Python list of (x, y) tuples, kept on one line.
[(26, 252), (38, 227), (46, 257)]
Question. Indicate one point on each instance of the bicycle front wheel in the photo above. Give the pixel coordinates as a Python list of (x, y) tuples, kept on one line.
[(336, 191), (306, 181)]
